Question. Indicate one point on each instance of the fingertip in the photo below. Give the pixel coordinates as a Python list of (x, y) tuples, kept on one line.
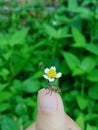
[(49, 102)]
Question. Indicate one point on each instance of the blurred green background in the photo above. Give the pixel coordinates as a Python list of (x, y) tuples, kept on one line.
[(39, 34)]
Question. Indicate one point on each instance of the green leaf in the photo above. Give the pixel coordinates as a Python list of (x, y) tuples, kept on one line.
[(93, 75), (88, 2), (18, 37), (8, 124), (4, 95), (7, 55), (38, 75), (85, 67), (29, 102), (72, 5), (78, 45), (89, 127), (4, 107), (82, 102), (62, 33), (72, 61), (19, 63), (78, 37), (81, 121), (1, 62), (50, 31), (88, 64), (31, 85), (4, 40), (4, 72), (93, 48), (64, 68), (57, 34), (78, 71), (83, 12), (3, 86), (62, 19), (93, 92), (91, 116), (18, 85), (20, 109)]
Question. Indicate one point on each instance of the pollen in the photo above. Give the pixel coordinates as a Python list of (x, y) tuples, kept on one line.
[(52, 73)]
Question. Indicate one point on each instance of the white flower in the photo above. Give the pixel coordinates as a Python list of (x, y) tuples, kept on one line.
[(51, 74)]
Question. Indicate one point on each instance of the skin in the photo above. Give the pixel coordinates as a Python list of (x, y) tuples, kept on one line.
[(51, 115)]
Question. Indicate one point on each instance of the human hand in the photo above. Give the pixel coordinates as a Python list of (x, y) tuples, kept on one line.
[(51, 115)]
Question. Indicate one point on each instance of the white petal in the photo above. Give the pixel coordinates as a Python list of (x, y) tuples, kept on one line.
[(51, 79), (45, 76), (46, 70), (58, 75), (53, 67)]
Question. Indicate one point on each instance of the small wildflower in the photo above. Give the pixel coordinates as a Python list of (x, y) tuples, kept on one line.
[(51, 74)]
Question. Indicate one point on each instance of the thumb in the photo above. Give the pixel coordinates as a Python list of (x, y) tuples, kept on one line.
[(51, 114)]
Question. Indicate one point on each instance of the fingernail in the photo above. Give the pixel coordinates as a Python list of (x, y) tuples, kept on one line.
[(47, 102)]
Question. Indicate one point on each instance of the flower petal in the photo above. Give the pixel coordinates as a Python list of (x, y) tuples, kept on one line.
[(51, 79), (45, 76), (53, 67), (58, 75), (46, 70)]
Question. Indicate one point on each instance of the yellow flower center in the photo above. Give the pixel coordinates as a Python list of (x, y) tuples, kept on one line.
[(52, 73)]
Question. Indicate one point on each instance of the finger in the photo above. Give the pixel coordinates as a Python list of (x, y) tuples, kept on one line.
[(71, 125), (51, 114)]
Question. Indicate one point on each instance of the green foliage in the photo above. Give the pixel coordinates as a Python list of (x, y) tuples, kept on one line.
[(32, 38), (72, 61), (93, 92)]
